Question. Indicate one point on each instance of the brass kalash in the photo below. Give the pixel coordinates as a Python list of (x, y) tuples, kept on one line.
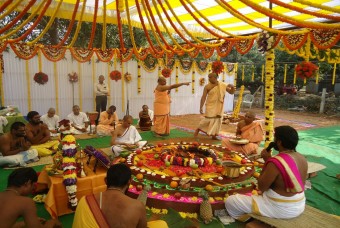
[(92, 118)]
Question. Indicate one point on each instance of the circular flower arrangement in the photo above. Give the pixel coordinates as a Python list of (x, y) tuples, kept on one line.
[(265, 41), (202, 81), (127, 77), (69, 169), (166, 72), (115, 75), (217, 67), (306, 70), (40, 78), (73, 77)]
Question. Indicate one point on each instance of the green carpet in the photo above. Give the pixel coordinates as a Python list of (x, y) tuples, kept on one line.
[(103, 142), (319, 145)]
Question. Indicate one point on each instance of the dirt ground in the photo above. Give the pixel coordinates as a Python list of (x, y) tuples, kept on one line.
[(298, 120)]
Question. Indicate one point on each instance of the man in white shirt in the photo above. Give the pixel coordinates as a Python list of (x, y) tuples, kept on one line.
[(79, 121), (51, 120), (102, 91)]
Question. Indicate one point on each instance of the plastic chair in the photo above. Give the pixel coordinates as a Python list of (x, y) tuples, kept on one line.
[(248, 100)]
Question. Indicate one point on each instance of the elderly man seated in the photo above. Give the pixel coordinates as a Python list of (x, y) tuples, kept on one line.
[(107, 121), (52, 121), (126, 137), (39, 135), (79, 121), (15, 148), (145, 118), (247, 129)]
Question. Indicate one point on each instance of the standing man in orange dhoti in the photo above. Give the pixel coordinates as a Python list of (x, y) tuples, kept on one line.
[(247, 129), (161, 106), (213, 97)]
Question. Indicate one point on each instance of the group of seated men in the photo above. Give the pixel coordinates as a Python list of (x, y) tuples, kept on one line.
[(26, 143)]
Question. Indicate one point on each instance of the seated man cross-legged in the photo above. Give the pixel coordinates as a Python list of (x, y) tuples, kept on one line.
[(39, 135), (112, 208), (126, 137), (79, 121), (282, 182), (15, 148), (52, 121), (107, 121), (145, 118), (247, 129)]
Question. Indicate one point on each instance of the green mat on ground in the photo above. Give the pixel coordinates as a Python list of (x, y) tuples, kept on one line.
[(319, 145), (103, 142)]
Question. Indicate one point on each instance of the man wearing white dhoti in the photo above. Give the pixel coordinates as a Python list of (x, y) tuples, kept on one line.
[(79, 121), (281, 181), (126, 137)]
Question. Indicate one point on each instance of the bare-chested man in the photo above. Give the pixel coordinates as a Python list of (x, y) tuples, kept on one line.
[(39, 135), (282, 182), (16, 204), (113, 208), (15, 148), (213, 98), (126, 137)]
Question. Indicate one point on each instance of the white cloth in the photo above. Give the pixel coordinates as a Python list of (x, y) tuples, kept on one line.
[(20, 159), (79, 121), (270, 204), (3, 123), (101, 89), (130, 136), (51, 122)]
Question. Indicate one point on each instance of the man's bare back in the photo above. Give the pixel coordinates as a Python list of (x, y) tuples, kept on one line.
[(121, 210), (20, 206)]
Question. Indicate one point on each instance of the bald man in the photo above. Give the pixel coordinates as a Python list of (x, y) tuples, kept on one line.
[(51, 120)]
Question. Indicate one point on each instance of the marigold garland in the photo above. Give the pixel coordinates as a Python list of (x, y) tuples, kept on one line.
[(75, 36), (127, 77), (269, 97), (146, 30), (237, 108), (306, 70), (265, 41), (139, 90), (41, 78), (115, 75), (73, 77), (69, 168), (217, 67), (202, 81), (166, 72), (36, 22)]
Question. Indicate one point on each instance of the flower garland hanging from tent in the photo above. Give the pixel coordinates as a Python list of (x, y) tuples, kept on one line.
[(41, 78), (265, 41), (127, 77), (166, 72), (115, 75), (73, 77), (306, 70), (217, 67)]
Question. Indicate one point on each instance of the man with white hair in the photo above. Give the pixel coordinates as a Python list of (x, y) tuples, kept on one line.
[(52, 121)]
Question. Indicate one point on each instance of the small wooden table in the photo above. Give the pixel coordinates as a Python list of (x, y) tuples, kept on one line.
[(56, 201)]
